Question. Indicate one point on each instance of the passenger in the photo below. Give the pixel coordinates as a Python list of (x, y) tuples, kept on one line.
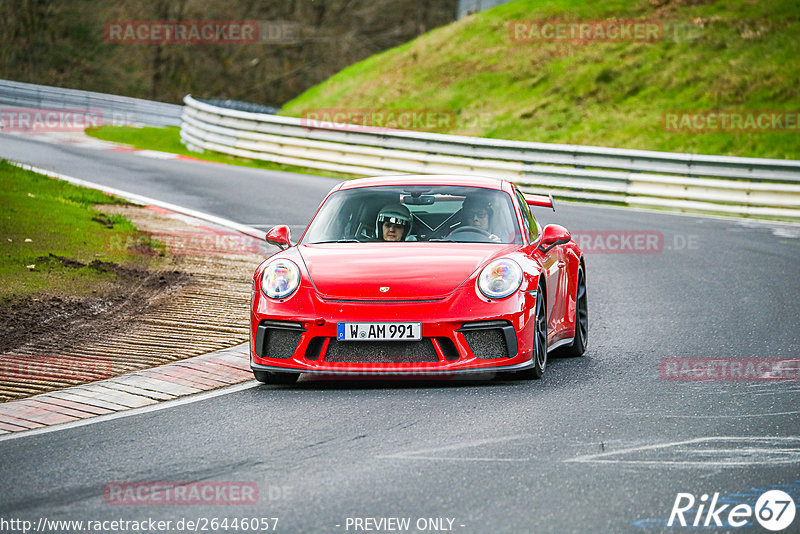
[(394, 223)]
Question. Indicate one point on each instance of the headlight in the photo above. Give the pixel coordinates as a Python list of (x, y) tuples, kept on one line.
[(280, 278), (500, 278)]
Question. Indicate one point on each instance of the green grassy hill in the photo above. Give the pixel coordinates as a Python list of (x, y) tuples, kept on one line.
[(712, 55)]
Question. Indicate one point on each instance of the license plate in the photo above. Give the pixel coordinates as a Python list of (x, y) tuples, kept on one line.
[(379, 331)]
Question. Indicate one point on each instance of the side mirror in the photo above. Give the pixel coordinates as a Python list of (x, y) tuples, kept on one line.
[(552, 235), (279, 236)]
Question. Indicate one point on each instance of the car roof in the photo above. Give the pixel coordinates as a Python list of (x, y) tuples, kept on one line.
[(425, 179)]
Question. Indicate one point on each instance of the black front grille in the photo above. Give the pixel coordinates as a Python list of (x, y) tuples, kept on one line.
[(491, 339), (277, 339), (381, 351)]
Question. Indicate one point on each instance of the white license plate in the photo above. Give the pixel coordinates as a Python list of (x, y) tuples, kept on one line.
[(379, 331)]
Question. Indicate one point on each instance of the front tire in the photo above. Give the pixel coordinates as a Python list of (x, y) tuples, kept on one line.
[(539, 340), (578, 345), (265, 377)]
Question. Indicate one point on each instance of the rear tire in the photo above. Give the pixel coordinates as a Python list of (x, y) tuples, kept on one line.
[(265, 377), (539, 340), (578, 345)]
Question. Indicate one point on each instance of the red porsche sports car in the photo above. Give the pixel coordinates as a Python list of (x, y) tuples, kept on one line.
[(419, 275)]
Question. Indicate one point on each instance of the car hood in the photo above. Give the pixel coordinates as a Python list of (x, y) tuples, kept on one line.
[(410, 271)]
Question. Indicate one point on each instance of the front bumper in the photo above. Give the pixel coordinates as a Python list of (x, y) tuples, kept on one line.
[(462, 333)]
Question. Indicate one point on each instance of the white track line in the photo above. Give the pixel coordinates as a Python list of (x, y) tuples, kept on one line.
[(424, 454), (769, 446), (147, 201), (188, 399)]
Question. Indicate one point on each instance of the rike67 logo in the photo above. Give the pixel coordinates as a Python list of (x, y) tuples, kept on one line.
[(774, 510)]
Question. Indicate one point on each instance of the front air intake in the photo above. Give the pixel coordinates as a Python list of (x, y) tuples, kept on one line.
[(277, 339), (490, 339)]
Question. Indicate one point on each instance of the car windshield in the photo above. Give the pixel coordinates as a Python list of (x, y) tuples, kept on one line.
[(416, 213)]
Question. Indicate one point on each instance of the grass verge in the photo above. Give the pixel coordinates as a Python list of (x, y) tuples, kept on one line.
[(52, 239), (713, 55), (168, 139)]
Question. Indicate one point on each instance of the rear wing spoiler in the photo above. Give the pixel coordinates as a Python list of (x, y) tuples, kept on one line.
[(545, 201)]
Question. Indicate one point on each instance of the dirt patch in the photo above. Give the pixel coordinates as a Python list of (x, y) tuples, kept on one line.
[(196, 302), (80, 319)]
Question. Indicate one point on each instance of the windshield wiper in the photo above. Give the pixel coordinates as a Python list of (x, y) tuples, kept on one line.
[(349, 240), (442, 239)]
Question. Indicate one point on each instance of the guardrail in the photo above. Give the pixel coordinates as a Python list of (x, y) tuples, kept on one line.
[(687, 182), (116, 110)]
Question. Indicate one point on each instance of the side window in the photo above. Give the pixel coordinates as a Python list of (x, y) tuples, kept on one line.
[(531, 228)]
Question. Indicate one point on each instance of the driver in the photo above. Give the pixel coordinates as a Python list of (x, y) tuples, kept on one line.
[(393, 223), (477, 211)]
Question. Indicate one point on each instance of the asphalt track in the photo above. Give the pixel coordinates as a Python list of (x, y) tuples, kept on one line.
[(602, 444)]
